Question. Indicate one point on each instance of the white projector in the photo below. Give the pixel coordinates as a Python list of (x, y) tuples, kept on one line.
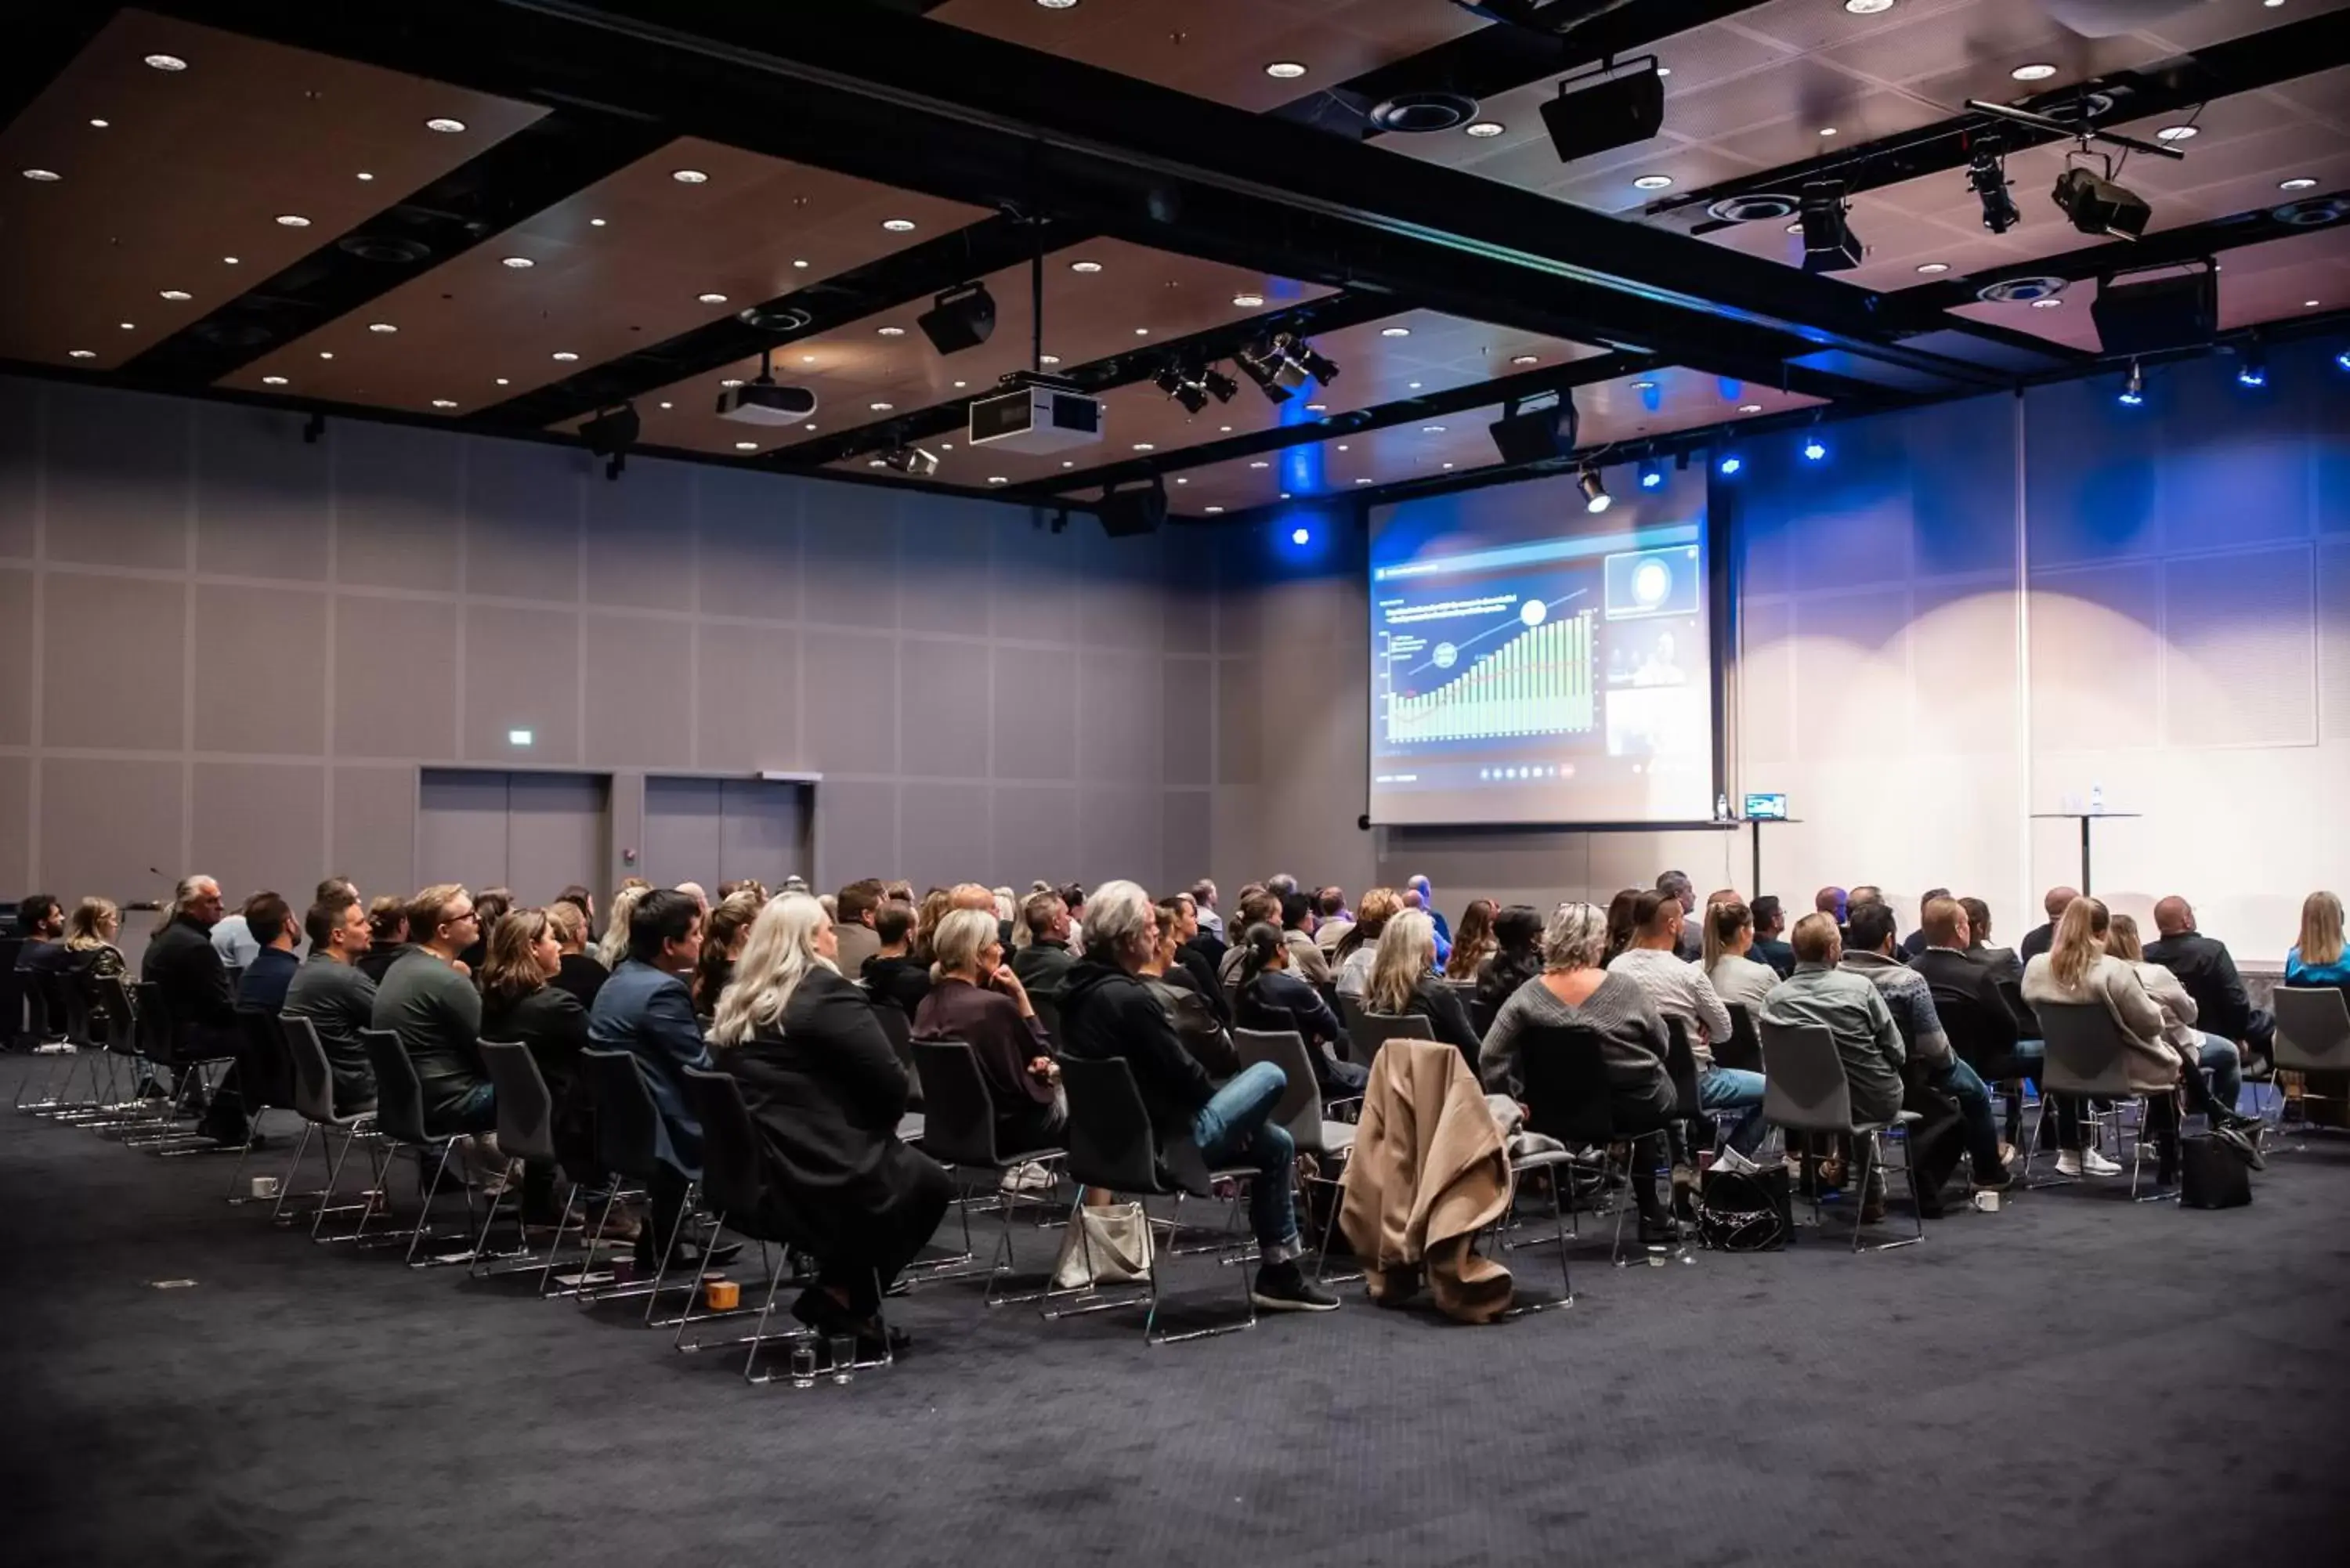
[(766, 403), (1036, 415)]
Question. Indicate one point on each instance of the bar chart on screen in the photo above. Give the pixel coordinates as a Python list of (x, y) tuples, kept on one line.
[(1538, 682)]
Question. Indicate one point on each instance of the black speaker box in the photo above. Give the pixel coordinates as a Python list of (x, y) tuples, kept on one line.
[(1535, 434), (1616, 112), (2150, 315), (1125, 513)]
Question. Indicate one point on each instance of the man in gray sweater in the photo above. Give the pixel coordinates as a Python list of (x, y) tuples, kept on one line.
[(1821, 995), (1910, 1000), (429, 1000), (336, 996)]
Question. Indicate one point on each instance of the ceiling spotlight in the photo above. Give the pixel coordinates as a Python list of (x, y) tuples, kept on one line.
[(1284, 71), (595, 223), (517, 263), (1251, 301), (1481, 128), (364, 175), (42, 176), (711, 298), (502, 382), (81, 353), (2037, 71), (563, 356), (444, 124), (1395, 331), (273, 380), (2133, 392), (2174, 133), (1643, 385), (167, 62), (881, 407), (1595, 498), (997, 478), (101, 124), (444, 403), (688, 176), (293, 221), (1085, 266), (898, 226), (1653, 183), (1212, 511), (1829, 245), (1932, 269), (1814, 449), (2298, 183), (2098, 206), (2252, 370), (1296, 535), (2049, 302), (1282, 363), (230, 261), (746, 446), (176, 295), (1827, 131), (910, 461), (1750, 407), (1987, 178), (958, 319), (1867, 8), (1058, 4), (381, 327), (1526, 359), (2342, 361), (891, 331)]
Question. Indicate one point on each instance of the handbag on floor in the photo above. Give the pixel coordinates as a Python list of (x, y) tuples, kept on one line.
[(1105, 1246), (1745, 1211), (2211, 1175)]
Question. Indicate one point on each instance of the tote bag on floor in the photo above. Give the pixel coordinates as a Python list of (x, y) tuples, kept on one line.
[(1114, 1240)]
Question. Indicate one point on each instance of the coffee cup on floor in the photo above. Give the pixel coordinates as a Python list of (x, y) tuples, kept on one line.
[(1986, 1202), (265, 1187)]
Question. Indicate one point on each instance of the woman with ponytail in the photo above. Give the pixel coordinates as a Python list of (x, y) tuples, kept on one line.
[(1272, 999)]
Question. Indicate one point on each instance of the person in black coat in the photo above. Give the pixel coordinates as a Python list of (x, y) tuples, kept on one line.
[(185, 969), (826, 1093), (582, 973), (1197, 953), (522, 1003)]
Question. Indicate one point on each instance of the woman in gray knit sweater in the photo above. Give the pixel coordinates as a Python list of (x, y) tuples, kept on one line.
[(1573, 989)]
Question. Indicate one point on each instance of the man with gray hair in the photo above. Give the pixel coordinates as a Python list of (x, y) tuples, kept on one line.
[(192, 982), (1107, 1011), (1281, 884), (1204, 899)]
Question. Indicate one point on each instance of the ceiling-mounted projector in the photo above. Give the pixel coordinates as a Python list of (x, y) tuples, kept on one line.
[(766, 403), (1035, 414)]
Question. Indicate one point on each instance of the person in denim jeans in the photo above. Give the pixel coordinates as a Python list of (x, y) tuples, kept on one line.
[(1107, 1011)]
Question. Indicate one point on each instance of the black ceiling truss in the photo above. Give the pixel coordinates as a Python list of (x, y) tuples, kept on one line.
[(554, 158), (2174, 86)]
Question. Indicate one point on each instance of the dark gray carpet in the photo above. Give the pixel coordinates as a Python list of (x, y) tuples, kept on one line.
[(2075, 1380)]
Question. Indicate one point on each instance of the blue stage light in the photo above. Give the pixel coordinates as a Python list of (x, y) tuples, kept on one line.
[(1814, 449), (1651, 476), (1300, 536), (1730, 465)]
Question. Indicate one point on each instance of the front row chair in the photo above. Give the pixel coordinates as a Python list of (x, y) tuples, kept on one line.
[(2313, 1036), (2088, 1058), (314, 1101), (1805, 1090), (1300, 1111), (525, 1134), (1111, 1146), (400, 1118), (959, 1132)]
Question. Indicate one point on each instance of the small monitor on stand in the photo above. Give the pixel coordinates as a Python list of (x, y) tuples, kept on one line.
[(1766, 807)]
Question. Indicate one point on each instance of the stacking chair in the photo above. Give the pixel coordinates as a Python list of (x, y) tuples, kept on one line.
[(900, 1031), (265, 1080), (959, 1132), (1971, 1037), (2088, 1058), (2313, 1036), (120, 1039), (1805, 1090), (161, 1043), (1564, 1068), (314, 1101), (1369, 1031), (733, 1180), (1111, 1148), (1350, 1014), (1300, 1112), (1743, 1049), (1048, 1014), (627, 1144), (62, 1027), (525, 1133), (400, 1118)]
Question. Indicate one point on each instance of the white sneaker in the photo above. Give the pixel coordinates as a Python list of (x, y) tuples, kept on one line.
[(2070, 1163)]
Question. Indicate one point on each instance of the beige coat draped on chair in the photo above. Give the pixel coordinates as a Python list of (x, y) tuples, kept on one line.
[(1429, 1171)]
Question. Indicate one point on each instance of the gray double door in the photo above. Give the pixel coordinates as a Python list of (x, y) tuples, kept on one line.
[(533, 831), (724, 830)]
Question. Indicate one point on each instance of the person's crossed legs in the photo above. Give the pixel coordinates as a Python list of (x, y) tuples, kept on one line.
[(1235, 1127), (1736, 1090)]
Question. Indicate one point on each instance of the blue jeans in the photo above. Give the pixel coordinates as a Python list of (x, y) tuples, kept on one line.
[(1734, 1089), (1233, 1129), (1964, 1084), (2226, 1070)]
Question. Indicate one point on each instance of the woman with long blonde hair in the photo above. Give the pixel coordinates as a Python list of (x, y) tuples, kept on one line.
[(615, 945), (2316, 957), (826, 1093), (1403, 983), (91, 932)]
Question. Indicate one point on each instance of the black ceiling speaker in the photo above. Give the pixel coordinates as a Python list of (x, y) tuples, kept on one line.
[(1617, 112), (1125, 513), (1829, 243), (2147, 315), (960, 319), (1536, 433)]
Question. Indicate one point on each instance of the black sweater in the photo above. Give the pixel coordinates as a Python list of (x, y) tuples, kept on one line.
[(1107, 1013)]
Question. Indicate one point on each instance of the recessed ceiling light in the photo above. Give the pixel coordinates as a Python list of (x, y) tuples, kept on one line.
[(2309, 305), (293, 221), (1285, 495), (1431, 429), (1284, 71), (1142, 332), (1481, 128), (1796, 227), (1251, 301), (1413, 386), (875, 463), (1526, 359), (1225, 429), (1317, 408), (1447, 465), (517, 263), (801, 264), (364, 175), (1085, 266), (444, 124), (444, 403), (1395, 331), (167, 62), (323, 353), (595, 223), (230, 261), (666, 405), (731, 382), (711, 298), (898, 226), (1827, 131), (688, 176), (1643, 385), (881, 407), (997, 478), (42, 176), (1664, 70), (1931, 268), (127, 326), (502, 382), (1144, 446), (1058, 4), (746, 446), (81, 353), (891, 331), (1260, 464), (2175, 133), (177, 294), (1181, 480), (1653, 183), (381, 327), (1041, 359), (1362, 482), (2298, 183), (1213, 510), (563, 356), (101, 124), (1068, 463), (1867, 8), (2037, 71), (2051, 303), (273, 380), (1048, 361), (1750, 407)]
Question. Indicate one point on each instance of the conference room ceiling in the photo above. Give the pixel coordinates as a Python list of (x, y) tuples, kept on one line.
[(848, 173)]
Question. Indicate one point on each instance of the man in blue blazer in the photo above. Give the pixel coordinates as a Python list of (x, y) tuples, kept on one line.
[(645, 1010)]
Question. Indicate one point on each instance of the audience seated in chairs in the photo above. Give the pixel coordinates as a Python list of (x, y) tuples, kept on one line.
[(521, 1004), (1517, 958), (388, 936), (41, 919), (1770, 936), (2199, 1051), (2317, 957), (1573, 990), (191, 983), (1332, 919), (976, 998), (1190, 964), (828, 1093), (2208, 970), (1620, 926), (2078, 970), (724, 930), (1474, 942), (645, 1010), (1360, 946), (336, 995), (2040, 938), (857, 904), (1680, 990), (431, 1005), (1046, 958), (2002, 961), (1272, 999), (490, 906), (1730, 968), (90, 936), (893, 975), (580, 974), (1909, 997), (1305, 955), (1918, 941), (1107, 1011), (271, 921), (1404, 983), (1688, 944), (1180, 997), (1258, 907), (1820, 994)]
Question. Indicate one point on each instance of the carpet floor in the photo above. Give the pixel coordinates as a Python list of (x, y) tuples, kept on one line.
[(2075, 1378)]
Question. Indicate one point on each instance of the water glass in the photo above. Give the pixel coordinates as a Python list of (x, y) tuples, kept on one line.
[(804, 1363), (844, 1356)]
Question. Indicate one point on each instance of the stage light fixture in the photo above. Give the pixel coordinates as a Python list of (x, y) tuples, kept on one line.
[(1652, 476), (1829, 243), (1533, 435), (1300, 536), (2133, 390), (913, 462), (2252, 368), (1595, 498), (2342, 361), (1730, 465), (1182, 388), (609, 436), (1221, 386), (1282, 363), (1814, 449), (1987, 178), (959, 318), (2097, 207)]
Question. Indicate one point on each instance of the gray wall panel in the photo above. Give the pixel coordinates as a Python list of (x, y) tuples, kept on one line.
[(399, 506), (372, 835), (263, 823), (261, 496), (119, 478), (15, 658), (126, 693), (104, 824), (640, 676), (522, 672), (260, 670), (395, 677)]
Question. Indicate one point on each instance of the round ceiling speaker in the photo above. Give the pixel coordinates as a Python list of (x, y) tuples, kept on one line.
[(774, 318), (391, 250), (2020, 290), (2081, 109), (1755, 208), (2313, 214), (1421, 113)]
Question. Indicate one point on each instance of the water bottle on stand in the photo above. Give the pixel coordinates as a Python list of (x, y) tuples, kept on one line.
[(2097, 800)]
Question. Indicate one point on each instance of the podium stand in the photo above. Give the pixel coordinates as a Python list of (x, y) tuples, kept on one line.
[(2083, 818), (1757, 824)]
